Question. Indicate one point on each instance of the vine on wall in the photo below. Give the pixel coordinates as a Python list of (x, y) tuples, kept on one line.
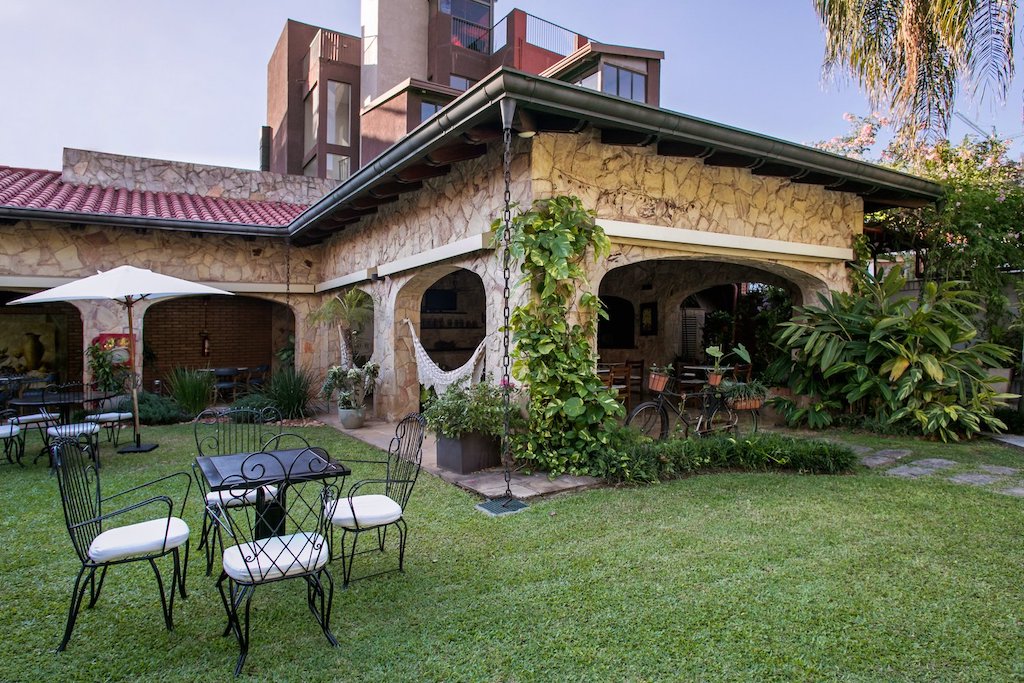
[(571, 415)]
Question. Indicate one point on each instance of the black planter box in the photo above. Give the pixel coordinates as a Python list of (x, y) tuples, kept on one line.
[(469, 453)]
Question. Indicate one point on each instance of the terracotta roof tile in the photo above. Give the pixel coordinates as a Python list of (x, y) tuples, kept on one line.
[(45, 191)]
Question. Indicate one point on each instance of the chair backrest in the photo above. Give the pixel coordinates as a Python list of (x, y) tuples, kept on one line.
[(299, 506), (225, 372), (235, 430), (404, 458), (79, 483), (742, 372)]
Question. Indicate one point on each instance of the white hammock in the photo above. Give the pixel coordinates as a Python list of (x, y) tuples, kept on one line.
[(430, 375)]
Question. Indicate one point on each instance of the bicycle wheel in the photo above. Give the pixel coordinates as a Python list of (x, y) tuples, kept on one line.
[(650, 418), (747, 422), (721, 420)]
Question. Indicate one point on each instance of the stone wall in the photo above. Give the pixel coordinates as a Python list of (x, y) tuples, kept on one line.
[(85, 167)]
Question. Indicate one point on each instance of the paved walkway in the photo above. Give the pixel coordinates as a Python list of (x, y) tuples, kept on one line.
[(900, 463), (486, 483)]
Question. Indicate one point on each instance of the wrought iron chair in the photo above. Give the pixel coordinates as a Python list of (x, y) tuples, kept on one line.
[(100, 548), (225, 383), (360, 512), (65, 396), (12, 436), (223, 432), (114, 420), (282, 535)]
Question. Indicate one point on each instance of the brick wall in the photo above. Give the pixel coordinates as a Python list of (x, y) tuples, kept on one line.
[(241, 332)]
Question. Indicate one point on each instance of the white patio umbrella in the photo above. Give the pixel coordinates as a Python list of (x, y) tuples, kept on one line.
[(125, 285)]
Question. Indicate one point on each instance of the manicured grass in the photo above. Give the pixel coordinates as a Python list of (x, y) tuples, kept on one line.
[(715, 577)]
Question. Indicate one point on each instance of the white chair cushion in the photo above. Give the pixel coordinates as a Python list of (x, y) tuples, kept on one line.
[(371, 510), (34, 418), (9, 431), (237, 497), (138, 539), (73, 430), (276, 557), (108, 417)]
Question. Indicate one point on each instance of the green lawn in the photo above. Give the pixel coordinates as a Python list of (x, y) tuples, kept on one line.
[(715, 577)]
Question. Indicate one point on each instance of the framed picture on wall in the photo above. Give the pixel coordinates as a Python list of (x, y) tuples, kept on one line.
[(648, 319)]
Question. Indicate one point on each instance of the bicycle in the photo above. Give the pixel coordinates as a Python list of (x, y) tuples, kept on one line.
[(714, 415)]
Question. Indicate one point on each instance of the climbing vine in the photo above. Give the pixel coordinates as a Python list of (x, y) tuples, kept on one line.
[(571, 415)]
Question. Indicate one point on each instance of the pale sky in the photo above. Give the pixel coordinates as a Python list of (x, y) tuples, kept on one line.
[(186, 79)]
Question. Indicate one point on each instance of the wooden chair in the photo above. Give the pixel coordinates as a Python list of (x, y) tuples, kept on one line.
[(616, 379)]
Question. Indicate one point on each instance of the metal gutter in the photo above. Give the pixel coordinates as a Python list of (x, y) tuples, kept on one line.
[(237, 229)]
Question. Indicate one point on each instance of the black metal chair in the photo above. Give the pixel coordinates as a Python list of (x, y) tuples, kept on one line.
[(100, 548), (360, 511), (63, 398), (223, 432), (257, 378), (225, 383), (13, 436), (282, 535)]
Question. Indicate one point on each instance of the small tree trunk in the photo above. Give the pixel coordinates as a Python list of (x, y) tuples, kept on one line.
[(345, 348)]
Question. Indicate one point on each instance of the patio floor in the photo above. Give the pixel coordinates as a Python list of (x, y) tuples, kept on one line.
[(486, 483)]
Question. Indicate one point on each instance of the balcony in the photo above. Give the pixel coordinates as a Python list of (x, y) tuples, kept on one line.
[(538, 33), (471, 36)]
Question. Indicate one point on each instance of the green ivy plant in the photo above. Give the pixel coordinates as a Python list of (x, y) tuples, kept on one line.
[(570, 412), (466, 408)]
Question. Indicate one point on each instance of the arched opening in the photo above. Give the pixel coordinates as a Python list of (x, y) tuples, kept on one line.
[(215, 332), (685, 305), (618, 329), (41, 340), (453, 318)]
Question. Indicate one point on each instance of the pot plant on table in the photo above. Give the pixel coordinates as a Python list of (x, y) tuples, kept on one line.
[(468, 420), (352, 385)]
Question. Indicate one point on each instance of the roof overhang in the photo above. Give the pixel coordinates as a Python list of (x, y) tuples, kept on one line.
[(462, 130)]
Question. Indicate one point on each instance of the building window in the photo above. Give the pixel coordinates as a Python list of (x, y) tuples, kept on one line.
[(310, 168), (428, 109), (311, 120), (339, 113), (590, 81), (460, 82), (339, 167), (469, 10), (624, 83)]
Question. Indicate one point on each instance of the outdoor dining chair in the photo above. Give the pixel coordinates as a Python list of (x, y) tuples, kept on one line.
[(283, 535), (362, 511), (225, 432), (114, 420), (12, 436), (99, 546), (62, 399)]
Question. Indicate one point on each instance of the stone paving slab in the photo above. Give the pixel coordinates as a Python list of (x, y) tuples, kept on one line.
[(858, 449), (1009, 439), (894, 453), (876, 461), (974, 478), (935, 463), (1016, 491), (999, 469), (910, 472)]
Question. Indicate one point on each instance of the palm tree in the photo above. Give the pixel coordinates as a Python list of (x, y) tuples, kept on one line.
[(914, 56), (349, 312)]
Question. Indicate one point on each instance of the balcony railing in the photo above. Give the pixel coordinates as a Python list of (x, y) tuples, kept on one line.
[(471, 36), (499, 35), (550, 36)]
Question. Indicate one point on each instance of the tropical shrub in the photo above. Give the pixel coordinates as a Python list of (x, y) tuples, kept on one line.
[(570, 412), (353, 384), (159, 410), (192, 389), (253, 401), (105, 374), (291, 391), (888, 357)]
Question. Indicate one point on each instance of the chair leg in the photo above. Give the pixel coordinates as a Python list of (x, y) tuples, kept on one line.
[(94, 590), (316, 594), (182, 571), (403, 532), (165, 605), (347, 566), (76, 602)]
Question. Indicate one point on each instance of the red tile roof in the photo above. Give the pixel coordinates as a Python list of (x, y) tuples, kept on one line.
[(45, 191)]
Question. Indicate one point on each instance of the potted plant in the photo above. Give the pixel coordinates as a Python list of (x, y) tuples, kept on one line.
[(658, 376), (716, 372), (468, 420), (352, 385), (350, 313), (745, 395)]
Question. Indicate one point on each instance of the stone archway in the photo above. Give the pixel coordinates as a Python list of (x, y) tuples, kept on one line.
[(662, 284)]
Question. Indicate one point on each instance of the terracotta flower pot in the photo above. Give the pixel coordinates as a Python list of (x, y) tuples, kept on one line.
[(656, 382), (714, 379)]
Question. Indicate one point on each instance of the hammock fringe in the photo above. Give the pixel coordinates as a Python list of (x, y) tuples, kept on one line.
[(431, 375)]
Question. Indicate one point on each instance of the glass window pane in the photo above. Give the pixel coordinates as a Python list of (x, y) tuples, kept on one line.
[(639, 87), (609, 79), (446, 6), (311, 120), (338, 166), (339, 113), (428, 109), (625, 84), (590, 81)]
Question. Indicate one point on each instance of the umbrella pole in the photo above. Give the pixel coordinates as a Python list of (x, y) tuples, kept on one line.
[(137, 446)]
